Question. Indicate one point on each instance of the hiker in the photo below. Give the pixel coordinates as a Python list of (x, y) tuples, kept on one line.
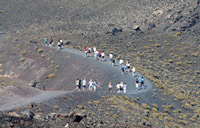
[(89, 51), (61, 43), (45, 41), (90, 85), (118, 87), (113, 62), (137, 84), (77, 83), (99, 55), (125, 69), (94, 49), (140, 82), (102, 56), (84, 84), (110, 87), (121, 87), (122, 68), (128, 66), (86, 51), (133, 71), (95, 85), (110, 57), (121, 62), (125, 86), (51, 42), (96, 55)]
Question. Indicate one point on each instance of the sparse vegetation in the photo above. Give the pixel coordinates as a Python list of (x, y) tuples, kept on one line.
[(51, 75)]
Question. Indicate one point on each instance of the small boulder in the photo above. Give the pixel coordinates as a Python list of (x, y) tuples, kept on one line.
[(77, 115), (33, 83), (136, 27), (29, 114)]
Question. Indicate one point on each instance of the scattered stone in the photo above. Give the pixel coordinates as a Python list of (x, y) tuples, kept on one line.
[(116, 30), (158, 12), (152, 25)]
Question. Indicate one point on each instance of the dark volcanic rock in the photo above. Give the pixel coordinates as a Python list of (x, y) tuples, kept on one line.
[(77, 115)]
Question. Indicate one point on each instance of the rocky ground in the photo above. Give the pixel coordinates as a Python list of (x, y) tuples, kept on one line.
[(160, 38)]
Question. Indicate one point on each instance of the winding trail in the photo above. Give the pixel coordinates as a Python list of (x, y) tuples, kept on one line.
[(113, 72)]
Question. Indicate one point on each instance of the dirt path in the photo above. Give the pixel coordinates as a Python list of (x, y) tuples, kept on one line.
[(128, 78), (36, 95)]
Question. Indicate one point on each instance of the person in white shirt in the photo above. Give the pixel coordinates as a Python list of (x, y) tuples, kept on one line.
[(128, 65), (84, 84), (121, 62), (90, 85), (102, 55), (111, 58), (94, 49), (133, 71), (125, 86)]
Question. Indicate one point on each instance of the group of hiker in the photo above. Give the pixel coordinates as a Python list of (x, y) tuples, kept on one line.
[(50, 42), (91, 85), (125, 68), (97, 54), (121, 87)]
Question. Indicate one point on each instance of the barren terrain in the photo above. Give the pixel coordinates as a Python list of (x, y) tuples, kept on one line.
[(160, 38)]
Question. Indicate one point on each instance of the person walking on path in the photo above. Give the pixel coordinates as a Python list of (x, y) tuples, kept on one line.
[(90, 85), (103, 56), (122, 68), (45, 41), (99, 55), (77, 83), (128, 65), (96, 55), (140, 82), (61, 43), (89, 51), (111, 58), (113, 62), (121, 87), (94, 49), (110, 87), (95, 85), (125, 87), (86, 51), (84, 84), (51, 42), (121, 62), (137, 84), (118, 87), (133, 71)]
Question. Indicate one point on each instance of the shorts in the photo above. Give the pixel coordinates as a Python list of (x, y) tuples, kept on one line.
[(128, 67), (111, 59), (84, 86), (102, 56), (109, 89)]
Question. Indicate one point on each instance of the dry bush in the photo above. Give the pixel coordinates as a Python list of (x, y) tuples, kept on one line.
[(51, 75), (40, 50)]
